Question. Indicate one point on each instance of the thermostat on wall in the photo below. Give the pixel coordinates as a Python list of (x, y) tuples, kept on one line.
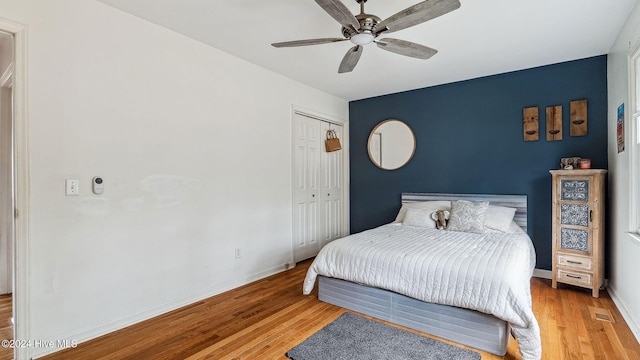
[(97, 185)]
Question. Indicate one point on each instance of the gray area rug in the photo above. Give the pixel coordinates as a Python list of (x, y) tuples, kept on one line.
[(354, 337)]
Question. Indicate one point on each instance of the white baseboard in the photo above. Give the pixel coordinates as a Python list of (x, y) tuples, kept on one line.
[(633, 324), (543, 274), (104, 329)]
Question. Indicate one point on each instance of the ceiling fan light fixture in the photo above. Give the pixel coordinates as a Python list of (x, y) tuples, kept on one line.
[(362, 38)]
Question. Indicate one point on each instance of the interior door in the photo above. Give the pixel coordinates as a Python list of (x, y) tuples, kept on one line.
[(318, 187), (331, 188), (306, 164)]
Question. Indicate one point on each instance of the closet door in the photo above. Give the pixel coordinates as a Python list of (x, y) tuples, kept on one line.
[(331, 188), (318, 186), (306, 163)]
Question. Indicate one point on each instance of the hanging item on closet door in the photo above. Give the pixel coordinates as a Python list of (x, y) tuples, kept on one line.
[(332, 143)]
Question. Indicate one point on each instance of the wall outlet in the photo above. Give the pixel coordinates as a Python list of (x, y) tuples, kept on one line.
[(238, 253)]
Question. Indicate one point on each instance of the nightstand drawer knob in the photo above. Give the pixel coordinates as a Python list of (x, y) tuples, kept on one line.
[(574, 262), (574, 277)]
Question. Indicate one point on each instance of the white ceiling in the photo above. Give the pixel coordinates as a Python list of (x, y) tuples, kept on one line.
[(482, 37)]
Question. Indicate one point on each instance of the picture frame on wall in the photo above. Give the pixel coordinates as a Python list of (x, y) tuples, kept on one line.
[(620, 128)]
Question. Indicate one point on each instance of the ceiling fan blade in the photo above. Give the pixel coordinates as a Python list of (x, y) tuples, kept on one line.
[(307, 42), (340, 12), (350, 59), (417, 14), (406, 48)]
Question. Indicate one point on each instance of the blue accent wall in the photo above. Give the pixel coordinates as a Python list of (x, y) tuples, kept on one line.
[(469, 138)]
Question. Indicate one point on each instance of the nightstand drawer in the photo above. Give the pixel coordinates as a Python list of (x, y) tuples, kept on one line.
[(575, 262), (575, 278)]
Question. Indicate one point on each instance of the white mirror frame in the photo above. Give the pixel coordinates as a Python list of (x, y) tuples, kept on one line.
[(391, 144)]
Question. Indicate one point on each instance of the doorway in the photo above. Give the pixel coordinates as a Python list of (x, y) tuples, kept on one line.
[(20, 212), (7, 194)]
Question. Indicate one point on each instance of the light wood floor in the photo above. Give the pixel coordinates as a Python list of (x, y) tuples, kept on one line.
[(6, 326), (266, 318)]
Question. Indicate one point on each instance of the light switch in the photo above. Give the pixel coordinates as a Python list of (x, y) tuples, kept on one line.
[(72, 187)]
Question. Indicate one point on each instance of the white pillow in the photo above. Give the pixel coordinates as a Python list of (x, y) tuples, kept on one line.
[(499, 218), (515, 228), (431, 206), (467, 216), (419, 217)]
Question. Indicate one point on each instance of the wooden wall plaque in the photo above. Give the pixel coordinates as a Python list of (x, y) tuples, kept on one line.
[(578, 118), (554, 123), (531, 126)]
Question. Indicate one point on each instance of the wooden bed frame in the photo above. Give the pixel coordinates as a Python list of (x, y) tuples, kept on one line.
[(464, 326)]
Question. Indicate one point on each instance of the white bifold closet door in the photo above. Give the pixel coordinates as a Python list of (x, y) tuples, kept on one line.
[(318, 185)]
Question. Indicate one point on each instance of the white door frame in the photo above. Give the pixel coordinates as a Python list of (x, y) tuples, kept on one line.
[(21, 312), (345, 165)]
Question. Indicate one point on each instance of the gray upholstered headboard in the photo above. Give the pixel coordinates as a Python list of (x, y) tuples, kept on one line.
[(519, 202)]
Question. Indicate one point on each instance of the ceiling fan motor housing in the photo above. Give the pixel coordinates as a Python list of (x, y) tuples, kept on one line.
[(367, 23)]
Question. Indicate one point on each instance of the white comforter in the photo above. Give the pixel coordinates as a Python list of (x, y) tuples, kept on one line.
[(486, 272)]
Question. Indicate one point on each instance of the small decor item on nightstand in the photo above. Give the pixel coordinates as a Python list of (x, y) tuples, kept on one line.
[(332, 143), (570, 163), (585, 163)]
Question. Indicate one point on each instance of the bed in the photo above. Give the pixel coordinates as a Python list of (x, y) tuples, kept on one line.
[(471, 288)]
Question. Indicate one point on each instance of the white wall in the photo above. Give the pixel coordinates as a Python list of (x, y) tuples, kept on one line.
[(193, 144), (624, 252)]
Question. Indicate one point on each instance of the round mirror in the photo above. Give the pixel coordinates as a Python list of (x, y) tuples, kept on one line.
[(391, 144)]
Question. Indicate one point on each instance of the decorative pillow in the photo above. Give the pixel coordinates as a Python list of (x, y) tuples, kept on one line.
[(419, 217), (499, 217), (467, 216), (428, 205)]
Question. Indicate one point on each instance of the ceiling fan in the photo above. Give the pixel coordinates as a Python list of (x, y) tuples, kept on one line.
[(363, 29)]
